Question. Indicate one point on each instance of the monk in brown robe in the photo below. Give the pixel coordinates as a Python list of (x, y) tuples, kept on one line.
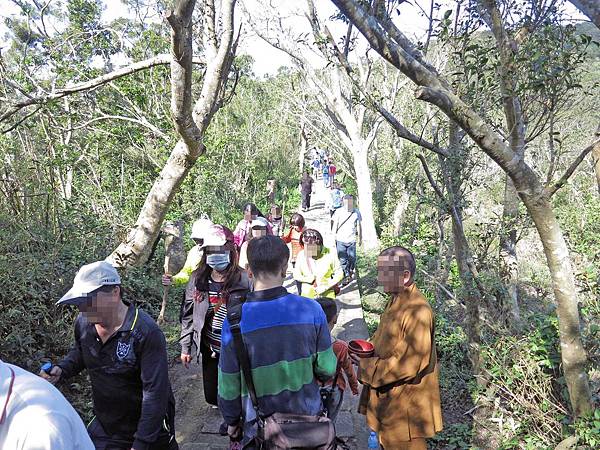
[(401, 394)]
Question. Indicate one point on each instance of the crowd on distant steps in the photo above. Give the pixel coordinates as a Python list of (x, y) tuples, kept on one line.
[(269, 362)]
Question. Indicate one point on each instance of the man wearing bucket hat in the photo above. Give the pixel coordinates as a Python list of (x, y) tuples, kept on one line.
[(124, 352)]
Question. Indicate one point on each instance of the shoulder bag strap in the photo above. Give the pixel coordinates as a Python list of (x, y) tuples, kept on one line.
[(346, 220), (338, 368), (234, 316)]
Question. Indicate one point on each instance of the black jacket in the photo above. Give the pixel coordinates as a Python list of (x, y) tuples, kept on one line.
[(129, 374)]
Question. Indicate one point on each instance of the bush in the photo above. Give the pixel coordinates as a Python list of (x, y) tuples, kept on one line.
[(523, 379)]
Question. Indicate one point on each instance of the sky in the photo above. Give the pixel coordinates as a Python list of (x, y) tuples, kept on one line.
[(267, 59)]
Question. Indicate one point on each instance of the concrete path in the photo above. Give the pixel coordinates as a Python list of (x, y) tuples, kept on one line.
[(198, 424)]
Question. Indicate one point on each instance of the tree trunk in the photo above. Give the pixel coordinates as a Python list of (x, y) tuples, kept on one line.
[(365, 198), (596, 162), (590, 8), (573, 354), (452, 168), (303, 145), (138, 244), (190, 125), (471, 294), (400, 211), (442, 268), (509, 269)]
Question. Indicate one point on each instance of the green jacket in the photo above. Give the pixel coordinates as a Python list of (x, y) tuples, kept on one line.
[(191, 263), (326, 271)]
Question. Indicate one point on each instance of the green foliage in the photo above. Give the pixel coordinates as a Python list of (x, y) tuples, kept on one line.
[(587, 429), (523, 375), (456, 436)]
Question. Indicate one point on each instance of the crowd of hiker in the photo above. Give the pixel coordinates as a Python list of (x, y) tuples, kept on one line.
[(268, 360)]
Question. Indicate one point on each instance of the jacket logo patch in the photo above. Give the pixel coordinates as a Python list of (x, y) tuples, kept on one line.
[(123, 350)]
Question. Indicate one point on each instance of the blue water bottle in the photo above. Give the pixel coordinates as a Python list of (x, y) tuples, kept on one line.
[(373, 441), (47, 367)]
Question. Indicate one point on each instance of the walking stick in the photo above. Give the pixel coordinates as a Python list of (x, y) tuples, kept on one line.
[(174, 259)]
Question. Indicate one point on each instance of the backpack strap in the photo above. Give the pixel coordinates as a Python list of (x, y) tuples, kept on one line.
[(234, 316)]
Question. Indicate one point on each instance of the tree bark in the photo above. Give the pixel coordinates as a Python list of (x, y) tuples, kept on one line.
[(303, 146), (365, 198), (515, 125), (453, 178), (400, 211), (573, 354), (509, 264), (436, 91), (596, 162), (189, 125)]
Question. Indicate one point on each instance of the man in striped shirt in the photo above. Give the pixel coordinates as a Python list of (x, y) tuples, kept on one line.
[(288, 344)]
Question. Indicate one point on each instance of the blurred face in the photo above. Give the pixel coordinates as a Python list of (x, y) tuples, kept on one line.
[(276, 212), (349, 204), (248, 215), (392, 275), (198, 241), (258, 232), (312, 249), (100, 307), (215, 249)]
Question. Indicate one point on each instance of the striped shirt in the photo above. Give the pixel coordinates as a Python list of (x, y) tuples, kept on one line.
[(217, 312), (289, 347)]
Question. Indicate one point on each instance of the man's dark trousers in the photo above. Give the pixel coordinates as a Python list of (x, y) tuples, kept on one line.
[(102, 441), (306, 200)]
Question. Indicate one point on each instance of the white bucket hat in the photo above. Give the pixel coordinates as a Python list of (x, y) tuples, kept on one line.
[(89, 278), (199, 228), (259, 222)]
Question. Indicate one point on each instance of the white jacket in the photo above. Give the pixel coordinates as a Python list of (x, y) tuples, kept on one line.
[(35, 416)]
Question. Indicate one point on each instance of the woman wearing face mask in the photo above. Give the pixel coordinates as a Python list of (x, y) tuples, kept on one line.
[(317, 267), (219, 282), (293, 237), (242, 230)]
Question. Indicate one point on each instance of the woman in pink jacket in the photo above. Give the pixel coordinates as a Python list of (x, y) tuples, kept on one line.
[(242, 230)]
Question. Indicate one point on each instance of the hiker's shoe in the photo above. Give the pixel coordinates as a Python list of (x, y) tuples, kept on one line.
[(223, 429)]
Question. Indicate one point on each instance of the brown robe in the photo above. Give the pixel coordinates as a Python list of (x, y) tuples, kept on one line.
[(404, 354)]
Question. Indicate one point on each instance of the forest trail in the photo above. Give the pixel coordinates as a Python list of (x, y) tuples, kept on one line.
[(197, 423)]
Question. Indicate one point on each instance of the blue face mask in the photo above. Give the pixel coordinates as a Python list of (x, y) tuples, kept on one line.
[(218, 261)]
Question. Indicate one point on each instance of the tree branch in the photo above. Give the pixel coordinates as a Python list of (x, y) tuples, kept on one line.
[(180, 20), (400, 129), (217, 70), (551, 190), (88, 85), (590, 8)]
